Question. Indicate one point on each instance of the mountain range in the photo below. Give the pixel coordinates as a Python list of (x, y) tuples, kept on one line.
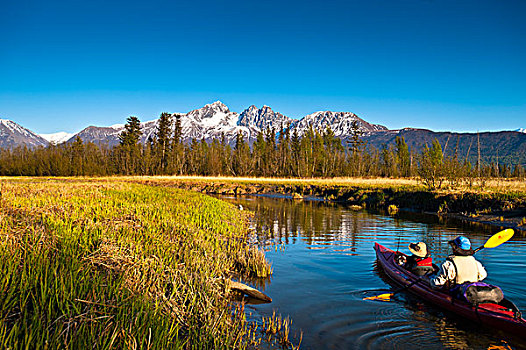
[(215, 120)]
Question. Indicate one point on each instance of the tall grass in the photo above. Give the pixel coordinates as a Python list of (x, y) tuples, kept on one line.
[(106, 264), (493, 185)]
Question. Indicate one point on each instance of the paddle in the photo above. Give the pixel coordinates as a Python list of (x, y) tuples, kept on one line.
[(494, 241), (497, 239)]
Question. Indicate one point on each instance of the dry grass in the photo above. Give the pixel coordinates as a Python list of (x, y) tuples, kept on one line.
[(477, 186), (339, 181), (103, 263)]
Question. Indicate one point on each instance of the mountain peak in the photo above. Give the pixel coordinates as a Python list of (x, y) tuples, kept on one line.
[(7, 122), (218, 105), (12, 135), (339, 122), (57, 137), (208, 111), (215, 120), (262, 118)]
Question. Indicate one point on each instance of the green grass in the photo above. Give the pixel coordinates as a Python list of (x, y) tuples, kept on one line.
[(99, 263)]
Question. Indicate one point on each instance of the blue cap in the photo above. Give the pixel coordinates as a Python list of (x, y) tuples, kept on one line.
[(461, 242)]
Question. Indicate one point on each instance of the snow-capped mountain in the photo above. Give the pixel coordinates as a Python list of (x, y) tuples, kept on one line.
[(13, 135), (100, 135), (57, 137), (339, 122), (109, 135), (211, 121), (263, 118), (216, 121)]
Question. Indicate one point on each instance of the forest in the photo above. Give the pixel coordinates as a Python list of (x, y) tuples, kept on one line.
[(275, 153)]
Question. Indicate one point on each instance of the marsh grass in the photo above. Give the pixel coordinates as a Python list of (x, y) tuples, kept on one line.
[(483, 185), (100, 263)]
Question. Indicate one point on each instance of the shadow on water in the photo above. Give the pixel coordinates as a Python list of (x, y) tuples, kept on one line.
[(324, 262)]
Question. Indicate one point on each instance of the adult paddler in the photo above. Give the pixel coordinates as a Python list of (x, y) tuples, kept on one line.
[(460, 267)]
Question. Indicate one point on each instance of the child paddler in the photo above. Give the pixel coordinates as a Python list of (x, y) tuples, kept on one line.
[(420, 263)]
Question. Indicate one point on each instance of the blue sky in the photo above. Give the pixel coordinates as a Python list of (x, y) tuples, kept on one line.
[(438, 64)]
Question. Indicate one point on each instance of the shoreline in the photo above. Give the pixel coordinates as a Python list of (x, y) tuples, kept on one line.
[(500, 207), (154, 266)]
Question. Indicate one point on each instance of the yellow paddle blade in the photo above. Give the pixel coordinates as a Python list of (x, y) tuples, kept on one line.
[(381, 297), (499, 238)]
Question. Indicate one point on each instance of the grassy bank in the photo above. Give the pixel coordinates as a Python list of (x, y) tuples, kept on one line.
[(478, 185), (499, 202), (101, 263)]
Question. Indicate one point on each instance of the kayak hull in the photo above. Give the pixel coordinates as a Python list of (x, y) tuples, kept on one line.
[(503, 316)]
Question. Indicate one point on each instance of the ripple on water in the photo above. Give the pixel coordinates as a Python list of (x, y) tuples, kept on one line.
[(321, 287), (348, 326)]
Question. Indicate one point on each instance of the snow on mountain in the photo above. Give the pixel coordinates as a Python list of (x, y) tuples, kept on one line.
[(210, 114), (339, 122), (57, 137), (211, 121), (14, 128), (216, 121), (117, 126), (523, 130), (13, 135), (263, 118)]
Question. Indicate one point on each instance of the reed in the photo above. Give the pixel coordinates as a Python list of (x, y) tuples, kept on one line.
[(479, 185), (103, 263)]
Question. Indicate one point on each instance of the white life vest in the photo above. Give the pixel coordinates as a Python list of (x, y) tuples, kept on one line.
[(466, 269)]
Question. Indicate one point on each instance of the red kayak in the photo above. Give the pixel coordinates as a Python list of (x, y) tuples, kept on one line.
[(504, 316)]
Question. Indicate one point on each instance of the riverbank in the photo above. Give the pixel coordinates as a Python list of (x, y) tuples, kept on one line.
[(497, 202), (105, 263)]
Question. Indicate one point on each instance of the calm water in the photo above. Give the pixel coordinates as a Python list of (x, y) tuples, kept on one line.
[(326, 265)]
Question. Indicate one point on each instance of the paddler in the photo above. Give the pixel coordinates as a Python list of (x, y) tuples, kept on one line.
[(460, 267), (420, 263)]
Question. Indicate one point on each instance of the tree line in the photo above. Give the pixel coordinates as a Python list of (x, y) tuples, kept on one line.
[(274, 153)]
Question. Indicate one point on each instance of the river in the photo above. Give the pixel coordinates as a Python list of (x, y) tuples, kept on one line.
[(325, 264)]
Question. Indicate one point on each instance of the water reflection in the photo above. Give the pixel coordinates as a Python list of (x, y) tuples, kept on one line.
[(328, 262)]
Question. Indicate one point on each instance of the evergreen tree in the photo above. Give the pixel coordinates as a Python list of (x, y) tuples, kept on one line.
[(356, 147), (163, 136), (258, 154), (128, 154), (242, 160), (284, 153), (178, 150), (132, 132), (178, 130), (225, 156), (295, 147), (306, 146), (269, 153)]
